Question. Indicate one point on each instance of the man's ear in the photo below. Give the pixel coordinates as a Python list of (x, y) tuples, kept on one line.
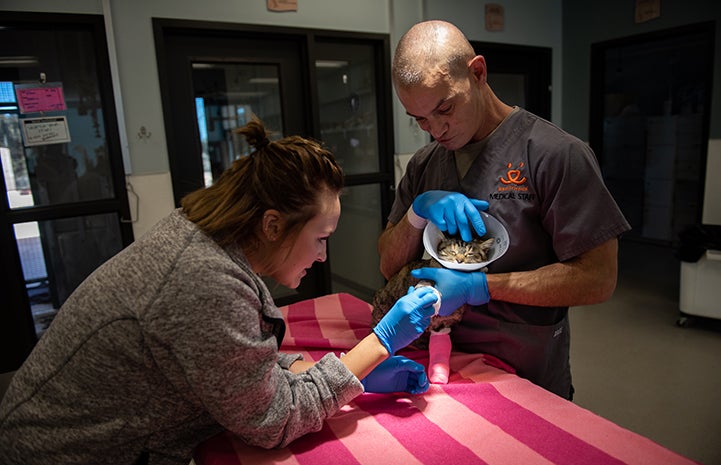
[(272, 224), (478, 67)]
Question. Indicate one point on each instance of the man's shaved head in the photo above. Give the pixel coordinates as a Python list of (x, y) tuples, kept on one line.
[(431, 48)]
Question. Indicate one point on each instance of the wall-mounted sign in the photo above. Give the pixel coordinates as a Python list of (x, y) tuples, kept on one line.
[(282, 5), (494, 17), (647, 10), (45, 131), (39, 98)]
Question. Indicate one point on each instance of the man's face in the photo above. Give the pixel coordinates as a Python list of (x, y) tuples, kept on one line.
[(448, 110)]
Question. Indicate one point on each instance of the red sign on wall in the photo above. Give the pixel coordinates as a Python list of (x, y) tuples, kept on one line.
[(40, 98)]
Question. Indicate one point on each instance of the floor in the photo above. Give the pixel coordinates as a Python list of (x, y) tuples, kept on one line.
[(633, 365)]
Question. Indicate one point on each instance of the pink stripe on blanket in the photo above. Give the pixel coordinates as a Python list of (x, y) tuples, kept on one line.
[(344, 319), (485, 439), (226, 449), (617, 441), (322, 448), (249, 455), (336, 321), (367, 439), (358, 313), (548, 440), (303, 327), (416, 433), (217, 450)]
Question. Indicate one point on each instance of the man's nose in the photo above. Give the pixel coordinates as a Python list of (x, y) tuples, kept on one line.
[(437, 127)]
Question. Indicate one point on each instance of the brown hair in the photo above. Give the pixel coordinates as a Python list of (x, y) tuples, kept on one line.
[(287, 175)]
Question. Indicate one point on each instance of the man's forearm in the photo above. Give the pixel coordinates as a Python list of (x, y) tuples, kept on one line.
[(399, 244), (585, 280)]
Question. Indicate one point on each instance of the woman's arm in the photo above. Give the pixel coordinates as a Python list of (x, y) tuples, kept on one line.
[(360, 360)]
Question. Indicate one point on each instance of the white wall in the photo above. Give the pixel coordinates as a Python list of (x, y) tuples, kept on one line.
[(528, 22)]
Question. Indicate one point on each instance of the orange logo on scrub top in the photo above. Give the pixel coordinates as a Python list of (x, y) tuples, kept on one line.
[(513, 175)]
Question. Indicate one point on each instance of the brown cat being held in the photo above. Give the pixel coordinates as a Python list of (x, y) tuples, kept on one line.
[(397, 287)]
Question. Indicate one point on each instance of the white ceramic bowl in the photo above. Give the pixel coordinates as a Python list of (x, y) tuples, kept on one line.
[(432, 236)]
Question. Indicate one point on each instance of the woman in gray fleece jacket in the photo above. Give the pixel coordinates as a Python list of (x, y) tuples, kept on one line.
[(176, 338)]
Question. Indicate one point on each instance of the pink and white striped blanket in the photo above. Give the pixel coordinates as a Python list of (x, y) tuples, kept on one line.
[(484, 415)]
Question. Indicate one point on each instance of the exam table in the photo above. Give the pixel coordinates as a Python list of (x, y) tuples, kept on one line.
[(484, 415)]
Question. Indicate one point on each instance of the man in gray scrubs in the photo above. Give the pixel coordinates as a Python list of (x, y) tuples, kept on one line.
[(543, 184)]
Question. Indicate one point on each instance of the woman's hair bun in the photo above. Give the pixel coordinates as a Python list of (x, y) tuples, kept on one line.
[(255, 133)]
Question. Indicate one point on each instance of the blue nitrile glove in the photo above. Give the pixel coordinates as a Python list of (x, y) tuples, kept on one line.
[(407, 319), (451, 211), (397, 374), (456, 287)]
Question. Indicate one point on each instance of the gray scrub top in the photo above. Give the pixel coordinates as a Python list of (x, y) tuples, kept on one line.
[(545, 187)]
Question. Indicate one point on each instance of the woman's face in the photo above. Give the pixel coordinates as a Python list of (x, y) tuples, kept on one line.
[(310, 244)]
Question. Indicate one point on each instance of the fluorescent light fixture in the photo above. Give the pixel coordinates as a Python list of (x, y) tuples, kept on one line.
[(204, 65), (18, 61), (330, 63), (263, 80)]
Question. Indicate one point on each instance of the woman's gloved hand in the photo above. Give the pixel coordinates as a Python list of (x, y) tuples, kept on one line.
[(407, 319), (452, 211), (397, 374), (456, 287)]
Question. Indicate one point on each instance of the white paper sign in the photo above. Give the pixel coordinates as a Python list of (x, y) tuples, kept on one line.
[(45, 131)]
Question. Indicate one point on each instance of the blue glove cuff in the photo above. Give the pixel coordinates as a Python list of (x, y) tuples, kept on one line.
[(378, 332), (479, 289)]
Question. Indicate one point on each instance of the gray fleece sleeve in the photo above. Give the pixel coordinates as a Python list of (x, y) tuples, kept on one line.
[(217, 345), (286, 360)]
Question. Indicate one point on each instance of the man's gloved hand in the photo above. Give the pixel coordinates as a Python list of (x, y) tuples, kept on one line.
[(407, 319), (397, 374), (452, 211), (456, 287)]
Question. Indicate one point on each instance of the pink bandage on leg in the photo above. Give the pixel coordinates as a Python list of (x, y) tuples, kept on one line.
[(439, 355)]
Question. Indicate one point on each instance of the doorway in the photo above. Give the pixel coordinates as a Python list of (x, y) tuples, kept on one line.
[(519, 75), (650, 110), (326, 85), (65, 209)]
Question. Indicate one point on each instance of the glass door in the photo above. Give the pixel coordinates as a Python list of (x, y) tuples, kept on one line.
[(352, 114), (649, 126), (64, 210), (328, 85), (227, 96), (216, 82)]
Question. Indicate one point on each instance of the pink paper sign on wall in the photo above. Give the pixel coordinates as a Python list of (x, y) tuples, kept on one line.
[(39, 98)]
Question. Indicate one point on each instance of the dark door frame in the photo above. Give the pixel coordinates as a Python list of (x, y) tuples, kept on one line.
[(304, 40), (532, 62), (17, 331), (597, 92)]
